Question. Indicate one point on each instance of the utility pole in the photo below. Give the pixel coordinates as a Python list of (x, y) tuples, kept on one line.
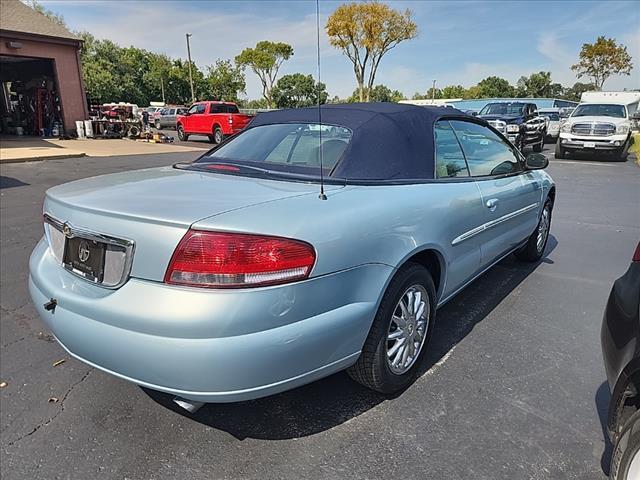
[(433, 92), (162, 88), (193, 95)]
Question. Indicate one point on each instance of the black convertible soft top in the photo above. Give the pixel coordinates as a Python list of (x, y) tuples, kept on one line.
[(390, 141)]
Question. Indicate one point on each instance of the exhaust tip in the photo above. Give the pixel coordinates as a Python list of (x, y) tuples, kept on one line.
[(190, 406)]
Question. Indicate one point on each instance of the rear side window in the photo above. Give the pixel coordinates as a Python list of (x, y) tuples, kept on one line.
[(217, 108), (171, 112), (450, 160), (486, 153), (197, 108), (231, 109), (291, 147)]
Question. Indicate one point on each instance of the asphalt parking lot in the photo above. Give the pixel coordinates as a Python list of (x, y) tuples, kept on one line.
[(513, 388)]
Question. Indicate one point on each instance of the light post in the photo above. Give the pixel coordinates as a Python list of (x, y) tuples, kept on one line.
[(162, 88), (193, 95), (433, 92)]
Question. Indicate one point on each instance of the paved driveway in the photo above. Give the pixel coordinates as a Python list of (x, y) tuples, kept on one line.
[(514, 387)]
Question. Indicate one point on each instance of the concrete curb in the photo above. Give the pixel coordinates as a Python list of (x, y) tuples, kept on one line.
[(42, 157)]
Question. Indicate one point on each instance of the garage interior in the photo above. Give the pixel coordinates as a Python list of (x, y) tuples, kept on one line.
[(29, 98)]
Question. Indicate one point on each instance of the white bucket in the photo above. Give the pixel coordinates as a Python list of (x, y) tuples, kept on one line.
[(80, 128), (88, 128), (19, 131)]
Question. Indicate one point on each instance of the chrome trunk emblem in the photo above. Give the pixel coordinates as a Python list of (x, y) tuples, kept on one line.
[(83, 251)]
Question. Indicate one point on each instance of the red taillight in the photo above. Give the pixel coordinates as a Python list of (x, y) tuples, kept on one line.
[(229, 168), (232, 260), (636, 255)]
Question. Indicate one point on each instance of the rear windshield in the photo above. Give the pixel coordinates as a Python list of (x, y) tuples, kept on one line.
[(287, 148), (599, 110)]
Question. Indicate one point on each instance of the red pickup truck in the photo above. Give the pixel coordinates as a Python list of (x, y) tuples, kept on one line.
[(214, 119)]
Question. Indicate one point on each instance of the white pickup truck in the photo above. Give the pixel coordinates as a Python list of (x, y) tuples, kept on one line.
[(601, 122)]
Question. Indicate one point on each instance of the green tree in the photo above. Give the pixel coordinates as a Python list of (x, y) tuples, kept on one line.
[(472, 92), (433, 93), (265, 61), (536, 85), (298, 90), (365, 32), (453, 91), (51, 15), (495, 87), (575, 92), (115, 74), (602, 59), (225, 80), (379, 93)]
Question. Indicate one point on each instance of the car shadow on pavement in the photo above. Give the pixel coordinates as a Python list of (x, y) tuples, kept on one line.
[(331, 401), (10, 182), (602, 407)]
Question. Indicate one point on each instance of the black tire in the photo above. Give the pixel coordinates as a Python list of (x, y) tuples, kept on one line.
[(182, 135), (157, 125), (539, 146), (626, 450), (218, 136), (532, 251), (372, 369), (621, 154), (560, 152)]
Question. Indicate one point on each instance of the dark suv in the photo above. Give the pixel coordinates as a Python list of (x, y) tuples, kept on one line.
[(518, 121)]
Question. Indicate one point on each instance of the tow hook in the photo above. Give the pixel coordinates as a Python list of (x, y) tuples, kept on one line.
[(51, 305)]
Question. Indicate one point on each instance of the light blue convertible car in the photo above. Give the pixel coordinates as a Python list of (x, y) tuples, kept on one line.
[(313, 241)]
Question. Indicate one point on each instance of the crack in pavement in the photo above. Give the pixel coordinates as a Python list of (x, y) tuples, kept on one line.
[(47, 422), (14, 341)]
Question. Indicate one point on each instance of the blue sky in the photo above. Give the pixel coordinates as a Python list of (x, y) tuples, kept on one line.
[(459, 42)]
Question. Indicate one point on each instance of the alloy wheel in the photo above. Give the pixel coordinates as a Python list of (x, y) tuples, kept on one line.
[(543, 228), (408, 329)]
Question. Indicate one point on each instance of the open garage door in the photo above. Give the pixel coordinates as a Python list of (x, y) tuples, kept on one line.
[(29, 98)]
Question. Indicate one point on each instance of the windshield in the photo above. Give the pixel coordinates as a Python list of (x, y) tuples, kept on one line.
[(503, 109), (553, 116), (288, 148), (599, 110)]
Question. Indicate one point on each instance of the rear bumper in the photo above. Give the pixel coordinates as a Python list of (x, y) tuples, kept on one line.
[(211, 346)]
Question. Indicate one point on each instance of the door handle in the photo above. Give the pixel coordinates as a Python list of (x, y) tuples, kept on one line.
[(492, 204)]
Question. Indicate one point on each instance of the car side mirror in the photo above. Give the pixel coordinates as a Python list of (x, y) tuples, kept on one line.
[(536, 161)]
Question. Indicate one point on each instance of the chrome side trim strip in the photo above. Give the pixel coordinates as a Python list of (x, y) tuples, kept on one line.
[(493, 223), (479, 274)]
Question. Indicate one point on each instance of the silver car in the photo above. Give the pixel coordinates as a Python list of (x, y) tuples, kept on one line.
[(287, 254), (553, 122), (167, 117)]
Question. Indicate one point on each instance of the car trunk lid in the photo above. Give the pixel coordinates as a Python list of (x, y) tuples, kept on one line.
[(153, 208)]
